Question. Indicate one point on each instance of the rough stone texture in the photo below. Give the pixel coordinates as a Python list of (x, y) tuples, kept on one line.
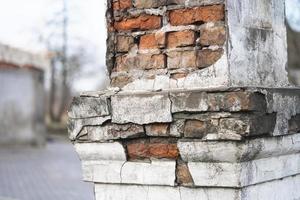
[(231, 101), (86, 107), (75, 126), (127, 109), (113, 132), (161, 130)]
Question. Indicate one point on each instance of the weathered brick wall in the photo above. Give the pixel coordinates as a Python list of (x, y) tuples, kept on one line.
[(184, 144), (231, 143), (166, 44), (163, 39)]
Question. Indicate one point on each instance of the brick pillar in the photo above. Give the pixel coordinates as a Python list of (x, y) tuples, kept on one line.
[(200, 105)]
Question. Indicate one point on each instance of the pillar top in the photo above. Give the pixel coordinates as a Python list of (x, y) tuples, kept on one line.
[(161, 45)]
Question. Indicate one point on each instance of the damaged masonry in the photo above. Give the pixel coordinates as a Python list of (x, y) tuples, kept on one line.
[(227, 128)]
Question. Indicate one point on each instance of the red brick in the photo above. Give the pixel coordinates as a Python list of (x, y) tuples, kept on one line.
[(149, 3), (143, 22), (120, 81), (182, 59), (146, 149), (195, 129), (148, 42), (183, 175), (181, 39), (197, 15), (207, 57), (140, 61), (122, 4), (157, 129), (213, 36), (124, 43)]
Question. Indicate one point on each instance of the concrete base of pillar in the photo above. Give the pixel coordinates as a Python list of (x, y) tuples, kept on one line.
[(231, 144), (283, 189)]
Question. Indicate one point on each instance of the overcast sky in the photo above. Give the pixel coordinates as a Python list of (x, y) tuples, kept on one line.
[(20, 20)]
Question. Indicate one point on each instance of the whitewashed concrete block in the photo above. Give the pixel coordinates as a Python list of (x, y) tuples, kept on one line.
[(246, 173), (215, 174), (257, 36), (100, 151), (226, 151), (133, 192), (285, 189), (141, 109), (102, 171), (138, 173), (154, 173)]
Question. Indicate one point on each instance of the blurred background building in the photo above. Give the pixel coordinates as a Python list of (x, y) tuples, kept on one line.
[(22, 97)]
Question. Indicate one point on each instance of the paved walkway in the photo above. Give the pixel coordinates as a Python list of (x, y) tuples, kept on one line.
[(52, 173)]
